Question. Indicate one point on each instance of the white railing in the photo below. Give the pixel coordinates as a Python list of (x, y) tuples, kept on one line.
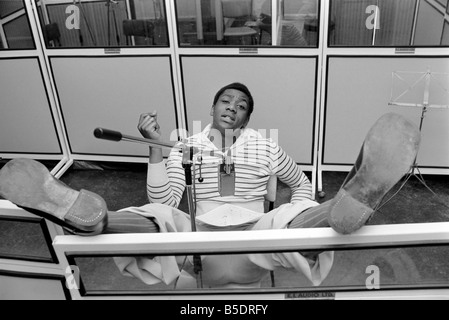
[(369, 237)]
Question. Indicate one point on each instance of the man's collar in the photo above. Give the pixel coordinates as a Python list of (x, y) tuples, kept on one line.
[(245, 135)]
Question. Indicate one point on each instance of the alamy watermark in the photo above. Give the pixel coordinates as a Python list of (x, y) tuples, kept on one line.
[(372, 282), (73, 19), (373, 20), (257, 152)]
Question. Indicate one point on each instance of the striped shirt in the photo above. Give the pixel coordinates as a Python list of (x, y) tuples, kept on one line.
[(255, 159)]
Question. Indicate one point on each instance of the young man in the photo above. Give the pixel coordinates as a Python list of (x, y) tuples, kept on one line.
[(235, 166)]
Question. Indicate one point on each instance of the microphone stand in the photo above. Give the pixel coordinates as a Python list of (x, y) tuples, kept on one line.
[(112, 135), (187, 162)]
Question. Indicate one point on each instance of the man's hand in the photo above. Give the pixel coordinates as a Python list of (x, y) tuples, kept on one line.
[(148, 126)]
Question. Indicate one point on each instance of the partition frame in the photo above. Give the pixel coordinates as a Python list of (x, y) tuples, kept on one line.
[(329, 52), (34, 268), (265, 51), (49, 53), (63, 156), (176, 52)]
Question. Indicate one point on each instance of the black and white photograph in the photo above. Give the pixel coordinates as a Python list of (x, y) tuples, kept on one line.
[(228, 157)]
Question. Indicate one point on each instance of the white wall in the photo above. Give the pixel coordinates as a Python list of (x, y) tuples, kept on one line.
[(359, 90), (26, 121), (112, 92), (283, 89)]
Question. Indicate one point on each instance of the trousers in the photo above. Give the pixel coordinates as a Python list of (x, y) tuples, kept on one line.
[(130, 222)]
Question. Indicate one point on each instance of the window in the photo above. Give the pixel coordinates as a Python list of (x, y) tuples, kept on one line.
[(103, 23), (387, 23), (352, 270), (299, 21), (238, 23), (36, 246), (15, 31)]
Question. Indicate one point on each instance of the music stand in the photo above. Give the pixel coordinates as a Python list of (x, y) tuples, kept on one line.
[(425, 77)]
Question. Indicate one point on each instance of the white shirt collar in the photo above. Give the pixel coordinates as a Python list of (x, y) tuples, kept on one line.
[(245, 135)]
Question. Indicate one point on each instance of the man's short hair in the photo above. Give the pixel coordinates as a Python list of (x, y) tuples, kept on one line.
[(240, 87)]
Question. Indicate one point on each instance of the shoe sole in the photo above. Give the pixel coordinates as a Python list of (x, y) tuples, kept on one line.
[(29, 185), (388, 153)]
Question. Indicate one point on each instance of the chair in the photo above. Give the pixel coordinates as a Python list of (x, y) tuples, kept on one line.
[(236, 13), (264, 25), (271, 191), (52, 35), (139, 28)]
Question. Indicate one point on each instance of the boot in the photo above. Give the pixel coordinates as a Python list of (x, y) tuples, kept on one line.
[(29, 185), (388, 153)]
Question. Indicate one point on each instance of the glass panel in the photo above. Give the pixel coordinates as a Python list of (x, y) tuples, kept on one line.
[(18, 34), (15, 31), (13, 245), (443, 2), (445, 38), (8, 7), (396, 23), (348, 18), (247, 23), (104, 23), (429, 24), (362, 269), (31, 287), (218, 22), (299, 23), (387, 23)]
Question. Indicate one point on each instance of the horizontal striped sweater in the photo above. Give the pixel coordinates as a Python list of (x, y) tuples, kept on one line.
[(255, 159)]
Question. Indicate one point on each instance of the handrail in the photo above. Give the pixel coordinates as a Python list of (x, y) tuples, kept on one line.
[(379, 236)]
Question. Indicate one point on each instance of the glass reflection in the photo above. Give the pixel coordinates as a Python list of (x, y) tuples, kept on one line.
[(387, 23), (36, 246), (223, 22), (247, 23), (15, 31), (405, 268), (299, 23), (103, 23)]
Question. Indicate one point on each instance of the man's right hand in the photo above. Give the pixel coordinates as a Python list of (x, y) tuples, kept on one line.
[(148, 126)]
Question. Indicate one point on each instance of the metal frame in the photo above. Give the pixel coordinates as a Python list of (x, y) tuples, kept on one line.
[(98, 52), (32, 268), (175, 51), (371, 237), (64, 157), (327, 52)]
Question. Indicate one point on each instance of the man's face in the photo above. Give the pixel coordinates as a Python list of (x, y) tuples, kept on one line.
[(231, 111)]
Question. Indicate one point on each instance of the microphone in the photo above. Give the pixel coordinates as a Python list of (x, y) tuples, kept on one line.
[(112, 135), (106, 134)]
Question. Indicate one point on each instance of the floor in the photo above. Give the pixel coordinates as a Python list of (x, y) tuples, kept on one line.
[(123, 185)]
